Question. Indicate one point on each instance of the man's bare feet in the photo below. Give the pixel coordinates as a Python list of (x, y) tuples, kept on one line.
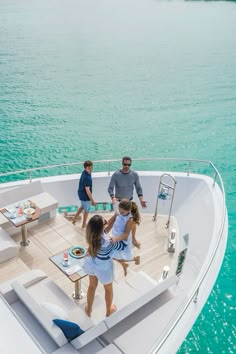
[(88, 313), (136, 243), (112, 310), (137, 260)]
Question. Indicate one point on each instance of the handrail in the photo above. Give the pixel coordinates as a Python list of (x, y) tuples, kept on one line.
[(193, 297), (41, 168)]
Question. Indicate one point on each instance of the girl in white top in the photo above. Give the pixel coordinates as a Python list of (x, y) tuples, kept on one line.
[(121, 230)]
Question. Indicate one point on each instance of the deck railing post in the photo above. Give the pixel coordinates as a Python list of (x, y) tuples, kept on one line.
[(196, 296), (188, 169), (30, 177), (214, 182)]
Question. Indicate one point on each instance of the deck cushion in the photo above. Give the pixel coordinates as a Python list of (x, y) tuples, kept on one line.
[(89, 335), (27, 279), (54, 310), (140, 301), (55, 333), (8, 247)]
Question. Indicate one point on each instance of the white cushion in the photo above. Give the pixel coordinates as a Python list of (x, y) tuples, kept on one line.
[(27, 279), (54, 311), (110, 349), (141, 282), (89, 335), (8, 247), (55, 333), (139, 302)]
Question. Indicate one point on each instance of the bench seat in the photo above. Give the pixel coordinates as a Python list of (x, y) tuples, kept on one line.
[(33, 289), (155, 323), (33, 191), (8, 247)]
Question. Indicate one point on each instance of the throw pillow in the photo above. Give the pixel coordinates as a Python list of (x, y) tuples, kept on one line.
[(70, 329), (54, 310)]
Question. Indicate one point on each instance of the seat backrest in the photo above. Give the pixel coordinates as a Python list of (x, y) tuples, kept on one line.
[(20, 193), (140, 301), (54, 332)]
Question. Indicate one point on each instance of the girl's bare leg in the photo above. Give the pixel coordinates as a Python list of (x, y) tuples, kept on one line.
[(110, 307), (93, 282), (76, 215), (136, 260), (134, 240), (124, 265)]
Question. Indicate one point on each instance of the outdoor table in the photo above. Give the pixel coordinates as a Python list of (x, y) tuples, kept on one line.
[(11, 212), (73, 270)]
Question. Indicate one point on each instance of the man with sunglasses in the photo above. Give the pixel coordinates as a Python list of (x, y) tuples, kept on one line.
[(124, 181)]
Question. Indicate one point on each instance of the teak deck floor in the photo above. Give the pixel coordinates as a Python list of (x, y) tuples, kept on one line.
[(58, 234)]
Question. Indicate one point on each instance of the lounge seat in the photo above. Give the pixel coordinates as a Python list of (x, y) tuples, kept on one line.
[(32, 289), (34, 191), (110, 349), (8, 247), (14, 337), (155, 323), (145, 295)]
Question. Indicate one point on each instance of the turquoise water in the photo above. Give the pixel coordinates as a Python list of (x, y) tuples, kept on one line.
[(100, 79)]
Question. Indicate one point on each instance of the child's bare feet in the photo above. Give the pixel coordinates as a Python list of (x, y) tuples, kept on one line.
[(125, 266), (137, 260), (136, 243), (112, 310), (84, 226), (73, 222), (88, 313)]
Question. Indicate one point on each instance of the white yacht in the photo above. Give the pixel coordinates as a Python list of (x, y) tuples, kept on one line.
[(183, 235)]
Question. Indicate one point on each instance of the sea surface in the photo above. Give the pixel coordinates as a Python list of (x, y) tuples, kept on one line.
[(99, 79)]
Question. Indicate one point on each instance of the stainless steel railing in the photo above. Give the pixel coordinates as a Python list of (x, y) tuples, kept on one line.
[(194, 294), (188, 164)]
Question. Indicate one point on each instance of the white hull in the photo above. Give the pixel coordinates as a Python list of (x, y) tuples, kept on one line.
[(199, 208)]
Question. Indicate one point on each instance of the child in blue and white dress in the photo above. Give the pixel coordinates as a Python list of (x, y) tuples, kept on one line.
[(121, 230)]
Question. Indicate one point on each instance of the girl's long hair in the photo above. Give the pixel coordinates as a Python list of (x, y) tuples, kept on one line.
[(131, 207), (94, 231)]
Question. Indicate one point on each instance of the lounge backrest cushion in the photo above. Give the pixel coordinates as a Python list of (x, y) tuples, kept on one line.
[(46, 322), (27, 279), (19, 193), (89, 335), (139, 302), (54, 310)]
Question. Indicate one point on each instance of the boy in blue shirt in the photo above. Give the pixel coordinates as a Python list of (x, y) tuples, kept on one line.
[(85, 193)]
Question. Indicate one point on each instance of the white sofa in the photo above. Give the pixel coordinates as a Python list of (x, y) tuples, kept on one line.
[(34, 191), (32, 291), (8, 247), (37, 300)]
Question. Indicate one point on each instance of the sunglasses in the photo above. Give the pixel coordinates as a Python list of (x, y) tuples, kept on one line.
[(127, 164)]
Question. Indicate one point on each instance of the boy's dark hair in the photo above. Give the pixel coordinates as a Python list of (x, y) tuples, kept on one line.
[(88, 163), (126, 158)]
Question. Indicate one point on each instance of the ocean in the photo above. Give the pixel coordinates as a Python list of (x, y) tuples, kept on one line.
[(89, 79)]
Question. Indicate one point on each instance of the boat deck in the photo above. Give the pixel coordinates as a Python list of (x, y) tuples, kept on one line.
[(58, 234)]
